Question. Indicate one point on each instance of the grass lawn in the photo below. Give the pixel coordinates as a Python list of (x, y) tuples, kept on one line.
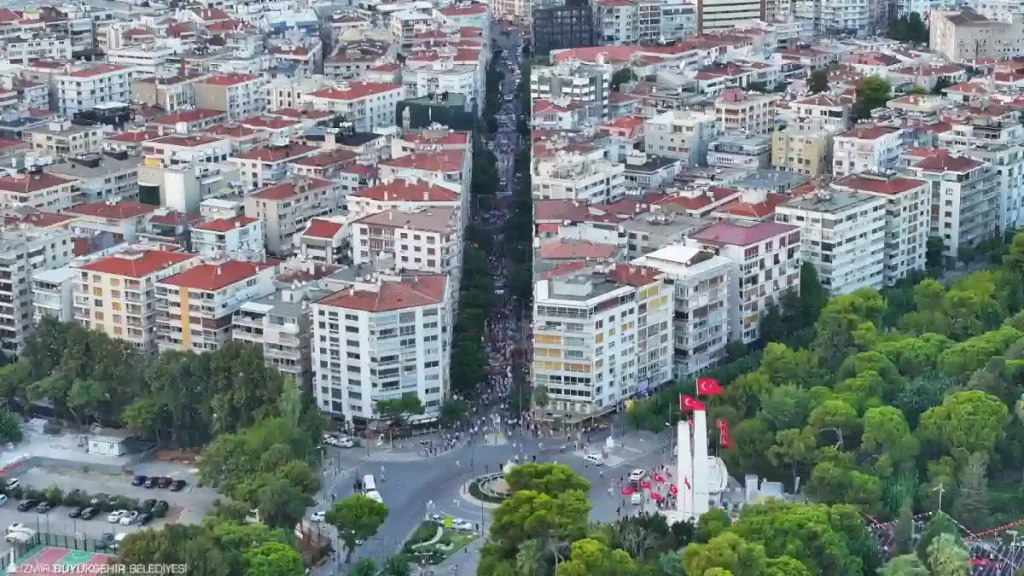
[(451, 541)]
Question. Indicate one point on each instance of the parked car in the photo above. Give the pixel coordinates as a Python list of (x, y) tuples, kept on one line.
[(150, 482), (115, 516), (164, 482), (178, 485), (90, 513), (45, 507), (17, 527), (637, 475), (19, 537), (594, 459), (77, 512), (145, 518), (99, 499), (130, 517), (106, 542), (3, 499), (27, 505), (13, 483), (147, 505), (460, 524), (139, 480), (318, 516)]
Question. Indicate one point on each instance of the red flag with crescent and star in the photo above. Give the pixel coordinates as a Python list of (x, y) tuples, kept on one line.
[(689, 403), (708, 387), (723, 434)]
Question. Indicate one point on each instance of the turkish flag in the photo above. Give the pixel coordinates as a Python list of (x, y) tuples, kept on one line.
[(689, 403), (723, 434), (708, 387), (722, 425)]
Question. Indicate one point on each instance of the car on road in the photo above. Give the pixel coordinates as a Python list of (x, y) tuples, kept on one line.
[(594, 459), (318, 516), (129, 518), (13, 483), (164, 482), (178, 485), (90, 513), (115, 516), (161, 507), (19, 537), (637, 475), (139, 480), (150, 482), (145, 518), (460, 524), (77, 512), (3, 499), (27, 505), (45, 507), (636, 499)]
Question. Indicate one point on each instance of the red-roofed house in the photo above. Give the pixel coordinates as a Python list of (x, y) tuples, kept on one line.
[(428, 141), (239, 237), (765, 259), (307, 58), (402, 194), (127, 219), (221, 288), (560, 115), (37, 190), (286, 207), (907, 218), (189, 121), (324, 241), (325, 165), (179, 149), (264, 166), (239, 95), (866, 148), (422, 302), (368, 105), (448, 166), (969, 210), (84, 88), (117, 293), (467, 15)]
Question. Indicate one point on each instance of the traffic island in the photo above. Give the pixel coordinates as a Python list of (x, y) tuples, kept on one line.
[(434, 542)]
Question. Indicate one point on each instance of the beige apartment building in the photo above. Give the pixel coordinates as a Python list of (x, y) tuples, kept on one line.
[(239, 95), (195, 307), (173, 93), (739, 111), (63, 139), (965, 35), (801, 152), (286, 207), (37, 190), (117, 294)]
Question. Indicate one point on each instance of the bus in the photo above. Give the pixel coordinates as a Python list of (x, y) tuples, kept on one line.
[(368, 484)]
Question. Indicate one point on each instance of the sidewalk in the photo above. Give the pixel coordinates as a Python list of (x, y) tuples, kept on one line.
[(464, 562), (398, 453)]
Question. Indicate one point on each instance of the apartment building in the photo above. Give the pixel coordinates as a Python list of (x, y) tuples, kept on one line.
[(239, 237), (681, 134), (617, 21), (907, 218), (962, 35), (29, 48), (380, 339), (964, 199), (238, 95), (867, 149), (601, 338), (117, 294), (280, 324), (1010, 178), (801, 151), (405, 24), (827, 112), (288, 92), (741, 152), (88, 87), (842, 234), (588, 84), (367, 105), (746, 112), (183, 149), (443, 75), (560, 27), (171, 93), (24, 252), (98, 178), (765, 259), (423, 240), (195, 307), (62, 139), (721, 15), (286, 207), (580, 178), (265, 166), (37, 190), (324, 241), (402, 194), (144, 60), (702, 313)]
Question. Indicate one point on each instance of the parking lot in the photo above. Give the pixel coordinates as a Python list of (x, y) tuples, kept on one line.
[(187, 506)]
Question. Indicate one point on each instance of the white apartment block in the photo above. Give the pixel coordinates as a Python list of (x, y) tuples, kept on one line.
[(842, 234), (144, 60), (965, 199), (600, 339), (580, 178), (907, 218), (380, 339), (827, 112), (86, 88), (265, 166), (839, 16), (1010, 177), (681, 134), (424, 240), (751, 114), (117, 294), (617, 22), (324, 241), (574, 81), (367, 105), (239, 237), (405, 24), (184, 149), (443, 76), (52, 294), (37, 190), (195, 307), (701, 282), (238, 95), (26, 51), (866, 149), (720, 15), (765, 259), (24, 252), (289, 92), (403, 195), (285, 208), (98, 178)]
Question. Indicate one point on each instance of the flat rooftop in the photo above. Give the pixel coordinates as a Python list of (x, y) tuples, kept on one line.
[(830, 201)]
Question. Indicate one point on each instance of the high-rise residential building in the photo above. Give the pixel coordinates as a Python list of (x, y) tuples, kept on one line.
[(24, 251), (367, 105), (195, 307), (842, 234), (800, 151), (601, 338), (89, 87), (964, 34), (380, 339), (702, 320), (588, 84), (579, 178), (867, 149), (765, 259), (681, 134), (715, 15), (117, 294), (746, 112), (239, 95), (285, 208), (558, 27), (907, 218)]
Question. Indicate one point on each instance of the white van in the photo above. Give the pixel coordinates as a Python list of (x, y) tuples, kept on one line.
[(368, 484), (18, 537), (374, 495)]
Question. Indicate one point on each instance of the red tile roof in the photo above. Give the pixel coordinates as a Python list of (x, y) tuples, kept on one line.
[(338, 156), (575, 249), (560, 210), (471, 10), (188, 116), (405, 191), (741, 233), (278, 154), (268, 122), (211, 14), (225, 224), (451, 137), (300, 114), (9, 143), (443, 161), (355, 91), (113, 211), (755, 209), (45, 219), (24, 183), (140, 136), (137, 264), (97, 70), (212, 277), (286, 190), (878, 185), (635, 276), (943, 161), (232, 131), (419, 290), (869, 132), (227, 79), (186, 141), (322, 229)]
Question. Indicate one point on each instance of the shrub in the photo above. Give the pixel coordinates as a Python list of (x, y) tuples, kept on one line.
[(54, 494), (16, 492)]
